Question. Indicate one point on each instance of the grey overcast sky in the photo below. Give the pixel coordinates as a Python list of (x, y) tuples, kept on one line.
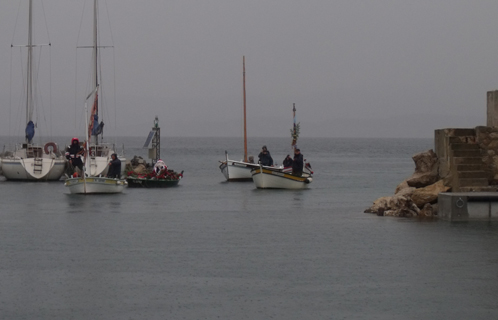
[(380, 68)]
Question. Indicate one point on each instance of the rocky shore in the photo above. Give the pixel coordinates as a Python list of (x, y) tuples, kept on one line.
[(417, 195)]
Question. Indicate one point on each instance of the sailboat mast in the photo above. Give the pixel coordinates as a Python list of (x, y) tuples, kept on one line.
[(244, 93), (95, 65), (95, 44), (294, 128), (29, 87)]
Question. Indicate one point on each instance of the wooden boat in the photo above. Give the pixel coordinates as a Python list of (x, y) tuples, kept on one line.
[(29, 161), (268, 178), (88, 185), (156, 175), (239, 170), (234, 170), (96, 156), (282, 178), (99, 151), (151, 183)]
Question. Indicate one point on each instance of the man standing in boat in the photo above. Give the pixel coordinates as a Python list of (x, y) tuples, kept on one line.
[(74, 153), (114, 167), (297, 163), (287, 163), (265, 158)]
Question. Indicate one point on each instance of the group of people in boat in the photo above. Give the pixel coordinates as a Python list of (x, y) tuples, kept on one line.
[(75, 152), (296, 163)]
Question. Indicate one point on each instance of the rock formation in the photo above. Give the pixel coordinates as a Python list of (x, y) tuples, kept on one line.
[(417, 195)]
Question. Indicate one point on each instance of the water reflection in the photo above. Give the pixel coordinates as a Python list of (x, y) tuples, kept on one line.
[(95, 203)]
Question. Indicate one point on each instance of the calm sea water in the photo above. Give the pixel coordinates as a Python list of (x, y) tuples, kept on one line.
[(215, 250)]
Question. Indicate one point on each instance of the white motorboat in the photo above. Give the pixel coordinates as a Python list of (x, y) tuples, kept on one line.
[(29, 161)]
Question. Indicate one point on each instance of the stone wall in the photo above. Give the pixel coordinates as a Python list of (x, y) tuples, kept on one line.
[(487, 138)]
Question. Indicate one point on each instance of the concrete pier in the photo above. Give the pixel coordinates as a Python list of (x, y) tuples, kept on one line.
[(468, 206)]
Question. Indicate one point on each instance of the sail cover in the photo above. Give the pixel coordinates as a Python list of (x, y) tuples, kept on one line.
[(99, 129), (96, 127), (94, 118), (30, 131)]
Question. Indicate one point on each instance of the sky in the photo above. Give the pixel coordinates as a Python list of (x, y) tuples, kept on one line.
[(384, 68)]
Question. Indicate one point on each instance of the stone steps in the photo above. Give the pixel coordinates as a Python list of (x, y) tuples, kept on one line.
[(464, 146), (467, 153), (472, 182), (467, 160), (469, 167), (472, 174)]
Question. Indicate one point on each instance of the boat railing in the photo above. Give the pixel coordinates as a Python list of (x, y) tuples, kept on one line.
[(34, 152), (101, 150)]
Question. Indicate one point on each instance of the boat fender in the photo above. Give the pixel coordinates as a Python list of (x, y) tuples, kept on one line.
[(48, 145), (308, 180)]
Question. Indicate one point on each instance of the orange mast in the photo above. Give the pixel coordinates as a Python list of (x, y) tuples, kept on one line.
[(244, 90)]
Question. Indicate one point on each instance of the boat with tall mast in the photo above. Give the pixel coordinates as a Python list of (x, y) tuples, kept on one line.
[(284, 178), (88, 184), (29, 161), (97, 154), (234, 170)]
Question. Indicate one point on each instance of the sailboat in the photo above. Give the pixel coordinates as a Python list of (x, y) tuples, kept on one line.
[(234, 170), (283, 178), (29, 161), (93, 184), (97, 155)]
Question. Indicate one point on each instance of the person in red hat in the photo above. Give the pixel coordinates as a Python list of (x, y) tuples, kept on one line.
[(74, 153)]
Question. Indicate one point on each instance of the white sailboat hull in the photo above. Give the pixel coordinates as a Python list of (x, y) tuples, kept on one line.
[(32, 169), (276, 179), (98, 166), (98, 162), (95, 185), (237, 170)]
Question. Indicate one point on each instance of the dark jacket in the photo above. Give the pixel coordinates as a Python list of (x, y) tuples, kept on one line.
[(74, 151), (287, 162), (265, 158), (297, 164), (114, 168)]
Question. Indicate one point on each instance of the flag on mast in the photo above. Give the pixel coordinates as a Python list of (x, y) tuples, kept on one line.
[(295, 128)]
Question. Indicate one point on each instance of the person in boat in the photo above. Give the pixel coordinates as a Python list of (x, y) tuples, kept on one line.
[(74, 153), (297, 163), (160, 167), (265, 158), (287, 162), (114, 167)]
